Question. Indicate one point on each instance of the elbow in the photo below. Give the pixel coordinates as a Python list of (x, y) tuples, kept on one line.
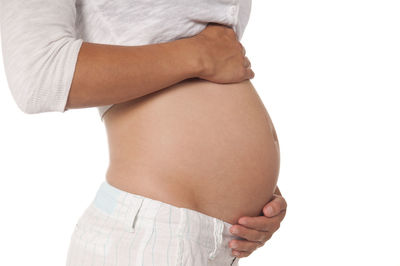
[(25, 106), (30, 105), (40, 78), (40, 48)]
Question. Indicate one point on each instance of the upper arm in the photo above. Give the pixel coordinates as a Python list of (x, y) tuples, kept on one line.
[(40, 51)]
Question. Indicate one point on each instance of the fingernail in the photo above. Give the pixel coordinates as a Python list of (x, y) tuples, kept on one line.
[(234, 230), (269, 210)]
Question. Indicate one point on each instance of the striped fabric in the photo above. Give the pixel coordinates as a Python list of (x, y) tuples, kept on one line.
[(124, 229), (41, 39)]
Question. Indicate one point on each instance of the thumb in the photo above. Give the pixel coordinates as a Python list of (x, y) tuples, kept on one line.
[(275, 206), (268, 210)]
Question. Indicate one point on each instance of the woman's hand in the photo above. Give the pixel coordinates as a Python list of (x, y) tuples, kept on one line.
[(223, 58), (258, 230)]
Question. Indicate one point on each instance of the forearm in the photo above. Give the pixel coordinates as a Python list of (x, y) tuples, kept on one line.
[(110, 74)]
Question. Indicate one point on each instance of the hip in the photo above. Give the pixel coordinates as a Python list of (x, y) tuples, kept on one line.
[(121, 228)]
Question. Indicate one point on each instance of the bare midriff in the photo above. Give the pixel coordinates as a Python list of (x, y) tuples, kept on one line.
[(197, 144)]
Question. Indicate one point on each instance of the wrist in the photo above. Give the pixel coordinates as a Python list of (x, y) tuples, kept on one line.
[(191, 50)]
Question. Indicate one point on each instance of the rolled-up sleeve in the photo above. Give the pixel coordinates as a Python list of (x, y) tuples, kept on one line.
[(40, 50)]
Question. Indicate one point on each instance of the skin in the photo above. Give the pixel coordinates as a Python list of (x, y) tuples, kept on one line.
[(111, 74), (202, 137), (258, 230), (214, 55)]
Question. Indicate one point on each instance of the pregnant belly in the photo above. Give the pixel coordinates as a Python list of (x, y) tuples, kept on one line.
[(197, 144)]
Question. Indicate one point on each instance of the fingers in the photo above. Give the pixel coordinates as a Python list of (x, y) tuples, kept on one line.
[(259, 223), (244, 245), (255, 231), (251, 234), (244, 248), (247, 63), (253, 240), (241, 254), (243, 49), (247, 68), (275, 206), (262, 223), (250, 73)]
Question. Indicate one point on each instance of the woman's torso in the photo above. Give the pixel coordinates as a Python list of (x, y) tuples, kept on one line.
[(197, 144)]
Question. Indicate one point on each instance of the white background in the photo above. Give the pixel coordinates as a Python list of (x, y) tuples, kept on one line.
[(328, 72)]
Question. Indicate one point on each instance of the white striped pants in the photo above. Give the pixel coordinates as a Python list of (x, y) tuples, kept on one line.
[(124, 229)]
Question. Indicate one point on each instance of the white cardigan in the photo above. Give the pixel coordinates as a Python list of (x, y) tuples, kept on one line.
[(41, 39)]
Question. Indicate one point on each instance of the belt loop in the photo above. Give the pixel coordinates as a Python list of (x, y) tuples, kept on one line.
[(218, 227), (133, 210), (181, 232)]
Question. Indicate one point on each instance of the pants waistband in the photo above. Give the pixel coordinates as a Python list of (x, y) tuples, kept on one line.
[(208, 231)]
